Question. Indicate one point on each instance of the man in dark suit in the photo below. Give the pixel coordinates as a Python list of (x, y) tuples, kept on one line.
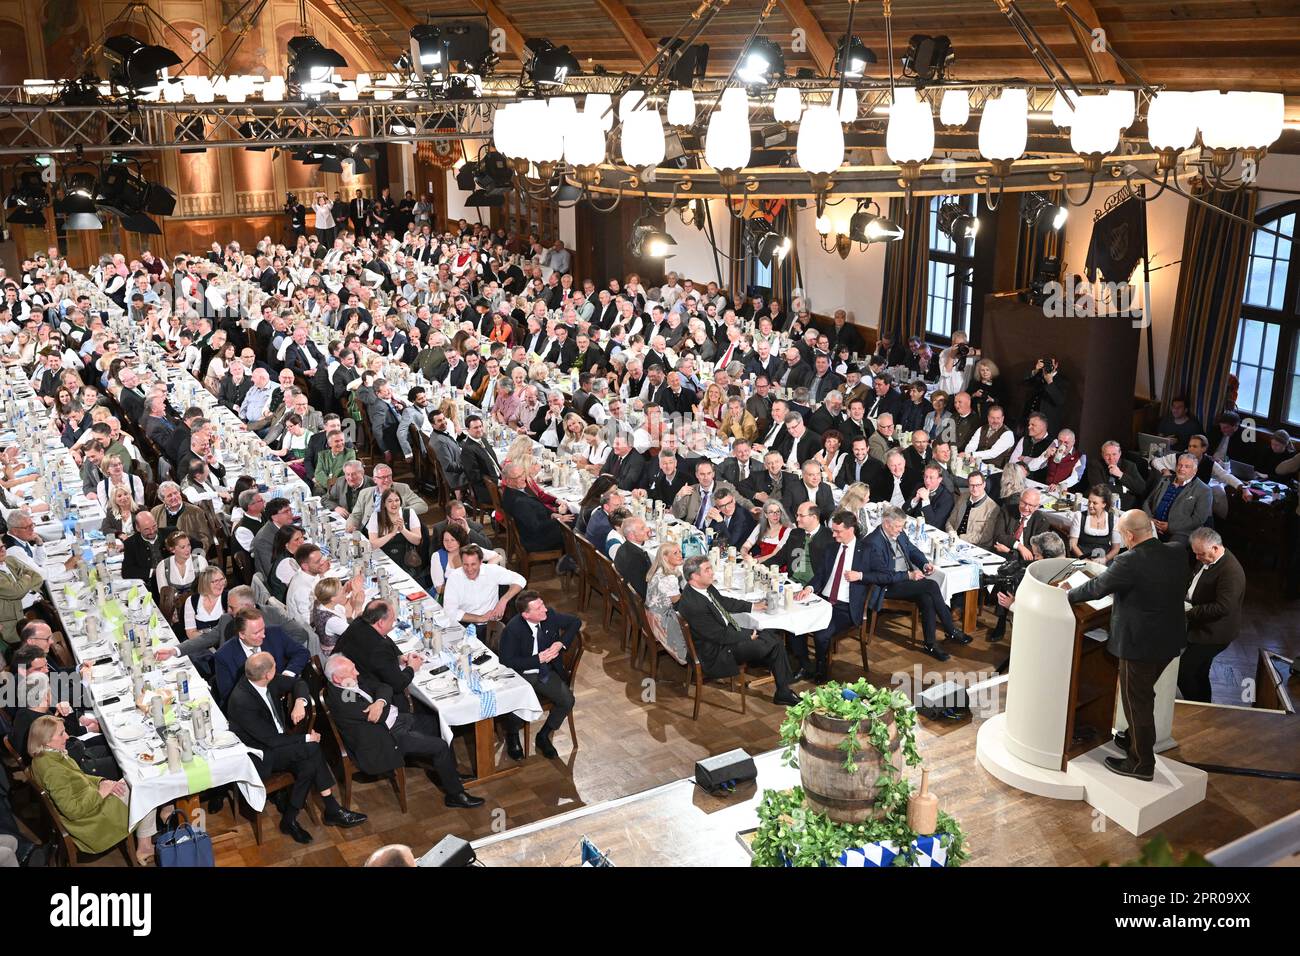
[(367, 645), (1118, 474), (253, 637), (741, 470), (1148, 629), (665, 482), (599, 525), (533, 520), (730, 522), (839, 572), (304, 356), (809, 488), (898, 569), (533, 645), (824, 380), (720, 642), (630, 560), (257, 716), (884, 399), (478, 459), (1214, 619), (380, 737), (797, 373), (931, 500), (358, 208), (1179, 503), (143, 550), (808, 538), (860, 466), (895, 484), (626, 464), (1020, 520)]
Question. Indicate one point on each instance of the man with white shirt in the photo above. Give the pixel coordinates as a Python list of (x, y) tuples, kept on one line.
[(993, 441), (837, 577), (312, 566), (472, 593), (380, 737), (1214, 618), (533, 645), (1034, 446)]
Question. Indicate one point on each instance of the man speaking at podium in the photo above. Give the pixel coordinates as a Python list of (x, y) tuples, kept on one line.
[(1148, 629)]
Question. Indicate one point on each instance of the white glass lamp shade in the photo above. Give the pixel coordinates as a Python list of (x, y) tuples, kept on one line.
[(735, 98), (597, 104), (1095, 129), (726, 142), (1004, 127), (1218, 126), (562, 109), (274, 87), (643, 139), (681, 108), (584, 141), (545, 143), (1123, 107), (954, 108), (1063, 110), (175, 92), (847, 100), (363, 82), (1171, 120), (909, 137), (1260, 117), (823, 224), (820, 147), (503, 129), (347, 92), (629, 102), (786, 105)]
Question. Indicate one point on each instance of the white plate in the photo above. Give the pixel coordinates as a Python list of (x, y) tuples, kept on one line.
[(105, 671), (224, 738), (130, 732)]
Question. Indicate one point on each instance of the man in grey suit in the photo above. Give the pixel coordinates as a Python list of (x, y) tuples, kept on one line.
[(344, 494), (1179, 503), (693, 499), (368, 500), (278, 513), (1148, 629)]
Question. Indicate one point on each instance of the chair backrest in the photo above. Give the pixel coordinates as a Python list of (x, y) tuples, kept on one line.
[(590, 562), (316, 681), (260, 592), (58, 828), (573, 657), (691, 654), (494, 493), (514, 547), (609, 575), (20, 759), (489, 632), (571, 549), (243, 564)]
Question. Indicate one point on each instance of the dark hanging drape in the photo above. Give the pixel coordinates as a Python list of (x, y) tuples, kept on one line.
[(902, 311), (1207, 308)]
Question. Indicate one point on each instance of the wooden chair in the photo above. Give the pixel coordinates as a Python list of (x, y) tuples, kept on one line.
[(243, 564), (523, 559), (873, 617), (315, 678), (697, 672), (575, 574), (21, 761), (592, 582), (59, 832), (614, 588), (572, 658)]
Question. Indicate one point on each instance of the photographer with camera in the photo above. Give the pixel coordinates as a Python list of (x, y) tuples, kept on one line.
[(1008, 577), (325, 225), (1046, 392), (297, 214)]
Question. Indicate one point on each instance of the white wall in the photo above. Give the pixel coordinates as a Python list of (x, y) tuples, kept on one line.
[(456, 208), (693, 258), (569, 227), (855, 284)]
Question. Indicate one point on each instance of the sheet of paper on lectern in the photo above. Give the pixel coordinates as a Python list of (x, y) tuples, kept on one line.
[(1077, 580)]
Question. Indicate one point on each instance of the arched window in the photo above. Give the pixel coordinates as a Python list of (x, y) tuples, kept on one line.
[(949, 282), (1266, 359)]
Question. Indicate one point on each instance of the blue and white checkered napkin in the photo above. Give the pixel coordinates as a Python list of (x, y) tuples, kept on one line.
[(487, 699), (930, 851)]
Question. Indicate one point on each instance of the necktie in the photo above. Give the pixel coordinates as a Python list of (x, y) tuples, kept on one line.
[(744, 471), (1019, 529), (726, 615), (839, 573), (704, 508)]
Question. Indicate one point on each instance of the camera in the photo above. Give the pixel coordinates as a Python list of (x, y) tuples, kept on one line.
[(963, 349), (1006, 578)]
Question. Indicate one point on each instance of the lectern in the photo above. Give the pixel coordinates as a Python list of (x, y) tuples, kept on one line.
[(1054, 734)]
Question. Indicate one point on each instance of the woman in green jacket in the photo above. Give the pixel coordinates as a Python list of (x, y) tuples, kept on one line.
[(93, 809)]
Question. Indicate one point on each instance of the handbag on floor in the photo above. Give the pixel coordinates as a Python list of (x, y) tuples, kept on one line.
[(180, 844)]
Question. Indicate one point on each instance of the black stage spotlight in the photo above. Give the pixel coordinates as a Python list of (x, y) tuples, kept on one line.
[(136, 65), (650, 239), (1047, 272), (159, 200), (866, 226), (430, 52), (139, 222), (766, 243), (469, 45), (551, 65), (121, 190), (956, 223), (763, 62), (927, 58), (485, 197), (78, 194), (80, 92), (28, 198), (493, 171), (312, 66), (192, 130), (859, 56), (466, 176), (1040, 212), (690, 65), (331, 161)]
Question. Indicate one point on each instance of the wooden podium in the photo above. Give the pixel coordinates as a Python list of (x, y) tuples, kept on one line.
[(1094, 678)]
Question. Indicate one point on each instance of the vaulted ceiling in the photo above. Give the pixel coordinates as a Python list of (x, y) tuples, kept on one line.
[(1187, 44)]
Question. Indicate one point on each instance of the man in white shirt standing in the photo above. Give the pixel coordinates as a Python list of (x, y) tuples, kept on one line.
[(472, 595)]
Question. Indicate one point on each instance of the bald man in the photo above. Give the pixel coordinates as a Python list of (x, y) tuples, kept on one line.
[(1148, 629)]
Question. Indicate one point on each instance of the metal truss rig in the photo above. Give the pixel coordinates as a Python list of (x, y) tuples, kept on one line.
[(37, 125)]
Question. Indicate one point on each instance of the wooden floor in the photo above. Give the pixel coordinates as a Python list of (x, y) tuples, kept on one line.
[(633, 737)]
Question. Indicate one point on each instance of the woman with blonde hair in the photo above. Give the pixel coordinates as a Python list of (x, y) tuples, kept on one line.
[(207, 604), (711, 405), (520, 453), (663, 589), (94, 810), (119, 516), (574, 440), (1013, 481), (594, 451), (333, 609), (856, 498), (736, 422)]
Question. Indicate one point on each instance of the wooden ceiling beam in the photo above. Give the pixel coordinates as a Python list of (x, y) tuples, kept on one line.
[(1101, 66), (514, 39), (405, 19), (820, 47), (632, 32)]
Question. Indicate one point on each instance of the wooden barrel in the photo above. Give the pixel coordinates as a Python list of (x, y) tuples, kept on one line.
[(830, 789)]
